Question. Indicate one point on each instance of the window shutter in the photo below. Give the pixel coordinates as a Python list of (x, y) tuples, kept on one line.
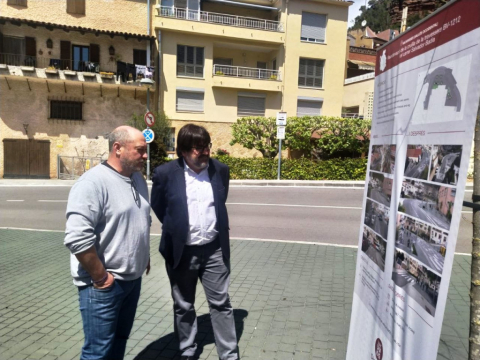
[(94, 53), (310, 108), (76, 7), (310, 73), (251, 106), (139, 57), (313, 27), (190, 101), (30, 46), (65, 54)]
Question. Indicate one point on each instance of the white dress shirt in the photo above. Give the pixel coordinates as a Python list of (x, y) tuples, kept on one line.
[(201, 208)]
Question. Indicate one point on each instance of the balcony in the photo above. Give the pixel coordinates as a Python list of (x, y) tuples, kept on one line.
[(240, 27), (246, 78), (59, 69)]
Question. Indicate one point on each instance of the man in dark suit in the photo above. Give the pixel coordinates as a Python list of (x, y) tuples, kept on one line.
[(188, 197)]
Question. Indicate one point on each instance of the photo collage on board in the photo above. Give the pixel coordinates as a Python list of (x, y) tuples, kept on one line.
[(422, 228), (377, 207)]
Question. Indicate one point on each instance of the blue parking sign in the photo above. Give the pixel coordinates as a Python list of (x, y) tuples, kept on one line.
[(149, 135)]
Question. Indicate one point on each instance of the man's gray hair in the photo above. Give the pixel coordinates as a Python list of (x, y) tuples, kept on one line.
[(121, 135)]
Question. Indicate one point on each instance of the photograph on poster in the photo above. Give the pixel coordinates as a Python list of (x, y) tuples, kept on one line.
[(382, 158), (421, 241), (428, 202), (374, 247), (445, 163), (419, 283), (380, 188), (377, 217), (441, 91), (417, 161)]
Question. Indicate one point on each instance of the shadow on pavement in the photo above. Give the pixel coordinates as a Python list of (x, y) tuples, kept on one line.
[(167, 346)]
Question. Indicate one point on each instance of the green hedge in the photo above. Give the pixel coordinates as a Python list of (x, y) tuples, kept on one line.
[(295, 169)]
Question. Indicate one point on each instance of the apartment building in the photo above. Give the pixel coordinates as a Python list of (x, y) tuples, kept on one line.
[(221, 60), (212, 61)]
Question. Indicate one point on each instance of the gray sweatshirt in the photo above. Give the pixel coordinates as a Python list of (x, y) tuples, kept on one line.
[(111, 212)]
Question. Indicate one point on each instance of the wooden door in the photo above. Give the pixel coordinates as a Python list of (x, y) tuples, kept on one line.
[(39, 158), (26, 158)]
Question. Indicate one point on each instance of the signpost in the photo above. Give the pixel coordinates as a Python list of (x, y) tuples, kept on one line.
[(281, 123), (149, 135), (426, 100), (149, 119)]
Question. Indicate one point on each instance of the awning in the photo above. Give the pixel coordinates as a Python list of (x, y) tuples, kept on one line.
[(242, 4), (362, 65)]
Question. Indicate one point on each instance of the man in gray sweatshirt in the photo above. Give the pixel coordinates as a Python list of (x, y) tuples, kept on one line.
[(108, 235)]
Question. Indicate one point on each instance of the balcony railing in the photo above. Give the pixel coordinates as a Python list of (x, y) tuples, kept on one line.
[(222, 19), (55, 64), (245, 72)]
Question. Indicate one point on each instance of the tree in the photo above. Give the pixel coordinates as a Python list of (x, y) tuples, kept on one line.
[(259, 133), (162, 130), (376, 15), (325, 137)]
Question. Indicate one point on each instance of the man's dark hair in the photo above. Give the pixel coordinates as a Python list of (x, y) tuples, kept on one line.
[(190, 136)]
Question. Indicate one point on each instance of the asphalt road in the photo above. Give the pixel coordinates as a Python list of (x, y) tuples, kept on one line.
[(416, 170), (380, 197), (415, 208), (426, 252), (323, 215)]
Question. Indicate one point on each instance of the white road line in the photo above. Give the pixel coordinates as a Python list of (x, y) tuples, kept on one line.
[(15, 200), (54, 201), (233, 238), (306, 206)]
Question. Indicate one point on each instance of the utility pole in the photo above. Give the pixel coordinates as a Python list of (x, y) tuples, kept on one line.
[(474, 337)]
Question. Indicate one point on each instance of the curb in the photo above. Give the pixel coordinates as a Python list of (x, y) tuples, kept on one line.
[(356, 184)]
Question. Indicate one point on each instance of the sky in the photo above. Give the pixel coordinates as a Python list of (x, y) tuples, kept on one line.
[(354, 10)]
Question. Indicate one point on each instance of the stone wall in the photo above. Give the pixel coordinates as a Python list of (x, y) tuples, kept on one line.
[(25, 102)]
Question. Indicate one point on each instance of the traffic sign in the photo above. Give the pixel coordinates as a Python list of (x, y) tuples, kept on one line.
[(149, 135), (149, 119), (281, 118), (280, 132)]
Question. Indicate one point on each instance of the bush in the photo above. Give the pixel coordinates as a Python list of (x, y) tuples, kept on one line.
[(295, 169)]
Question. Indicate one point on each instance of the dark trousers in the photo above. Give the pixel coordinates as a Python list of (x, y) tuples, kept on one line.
[(204, 262)]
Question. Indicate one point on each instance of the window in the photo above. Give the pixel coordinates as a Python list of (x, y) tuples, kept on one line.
[(170, 141), (80, 57), (309, 107), (17, 2), (76, 7), (310, 73), (313, 27), (139, 57), (251, 104), (274, 64), (189, 61), (66, 110), (191, 101)]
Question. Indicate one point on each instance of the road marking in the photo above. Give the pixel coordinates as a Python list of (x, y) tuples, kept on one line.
[(306, 206), (233, 238), (54, 201), (15, 200)]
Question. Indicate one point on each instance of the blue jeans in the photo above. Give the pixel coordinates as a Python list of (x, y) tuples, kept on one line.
[(108, 318)]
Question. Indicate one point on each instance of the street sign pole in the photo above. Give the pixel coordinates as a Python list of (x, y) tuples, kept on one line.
[(148, 145), (279, 157), (281, 123)]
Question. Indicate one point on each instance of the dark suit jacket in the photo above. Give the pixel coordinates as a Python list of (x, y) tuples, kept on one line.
[(169, 202)]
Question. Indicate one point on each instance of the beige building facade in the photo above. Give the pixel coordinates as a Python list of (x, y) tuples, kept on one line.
[(212, 62)]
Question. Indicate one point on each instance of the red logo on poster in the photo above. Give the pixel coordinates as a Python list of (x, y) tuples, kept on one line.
[(378, 349)]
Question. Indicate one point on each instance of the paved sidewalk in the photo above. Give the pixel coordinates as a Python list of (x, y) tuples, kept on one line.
[(292, 301)]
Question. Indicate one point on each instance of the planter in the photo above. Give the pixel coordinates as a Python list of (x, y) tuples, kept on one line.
[(69, 73), (106, 76), (27, 68), (51, 71), (89, 75)]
